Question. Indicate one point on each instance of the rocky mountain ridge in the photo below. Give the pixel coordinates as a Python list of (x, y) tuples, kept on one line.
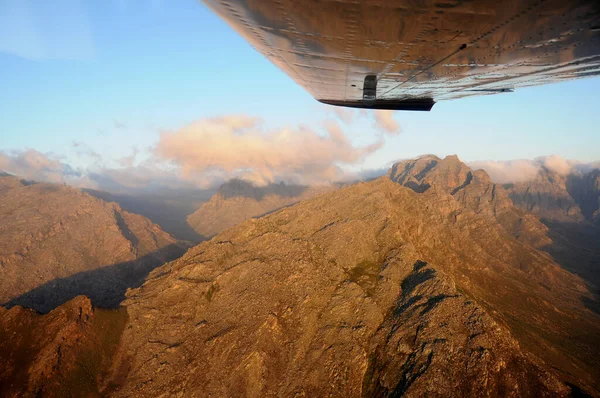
[(58, 242), (473, 189), (304, 300), (573, 197), (62, 353), (238, 200), (425, 282)]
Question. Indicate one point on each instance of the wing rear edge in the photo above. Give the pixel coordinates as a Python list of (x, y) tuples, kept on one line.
[(424, 104)]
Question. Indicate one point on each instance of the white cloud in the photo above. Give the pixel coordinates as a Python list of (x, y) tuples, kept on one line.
[(503, 172), (557, 164), (526, 170), (384, 120)]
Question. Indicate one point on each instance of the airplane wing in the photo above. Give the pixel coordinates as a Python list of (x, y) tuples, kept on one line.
[(409, 54)]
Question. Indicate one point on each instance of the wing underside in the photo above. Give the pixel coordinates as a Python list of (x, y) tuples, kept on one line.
[(419, 52)]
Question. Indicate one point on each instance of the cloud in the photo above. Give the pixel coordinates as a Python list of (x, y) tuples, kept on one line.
[(145, 177), (209, 152), (385, 121), (33, 165), (557, 164), (128, 161), (344, 114), (526, 170), (236, 146), (83, 150), (503, 172), (205, 154)]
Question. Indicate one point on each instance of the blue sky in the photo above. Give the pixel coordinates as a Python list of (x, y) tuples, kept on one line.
[(111, 75)]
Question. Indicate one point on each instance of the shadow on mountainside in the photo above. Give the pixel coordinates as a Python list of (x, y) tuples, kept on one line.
[(169, 214), (584, 189), (576, 247), (105, 286), (240, 188), (557, 207)]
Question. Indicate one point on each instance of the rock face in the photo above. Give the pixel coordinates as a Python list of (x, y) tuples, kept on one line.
[(473, 190), (238, 200), (585, 190), (63, 353), (371, 290), (168, 210), (547, 196), (569, 207), (57, 242), (434, 336)]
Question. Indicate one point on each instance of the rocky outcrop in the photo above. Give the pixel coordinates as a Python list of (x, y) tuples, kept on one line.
[(472, 189), (66, 352), (238, 200), (585, 190), (547, 196), (57, 242), (568, 206), (435, 341)]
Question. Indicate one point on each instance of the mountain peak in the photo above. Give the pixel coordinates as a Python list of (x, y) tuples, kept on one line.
[(472, 189), (428, 171)]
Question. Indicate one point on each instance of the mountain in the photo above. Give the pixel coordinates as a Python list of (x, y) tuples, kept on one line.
[(238, 200), (62, 353), (373, 289), (547, 196), (473, 189), (58, 242), (167, 209), (585, 190), (572, 198), (569, 206)]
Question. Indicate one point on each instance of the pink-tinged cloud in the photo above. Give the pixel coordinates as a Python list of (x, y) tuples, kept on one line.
[(344, 114), (526, 170), (557, 164), (33, 165), (384, 120), (503, 172), (236, 146)]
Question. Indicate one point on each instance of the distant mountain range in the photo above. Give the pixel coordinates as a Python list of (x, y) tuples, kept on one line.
[(238, 200), (432, 280)]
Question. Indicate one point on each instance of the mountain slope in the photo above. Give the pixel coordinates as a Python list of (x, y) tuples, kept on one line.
[(238, 200), (547, 196), (569, 207), (63, 353), (305, 301), (57, 242), (473, 189), (585, 190), (168, 210)]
